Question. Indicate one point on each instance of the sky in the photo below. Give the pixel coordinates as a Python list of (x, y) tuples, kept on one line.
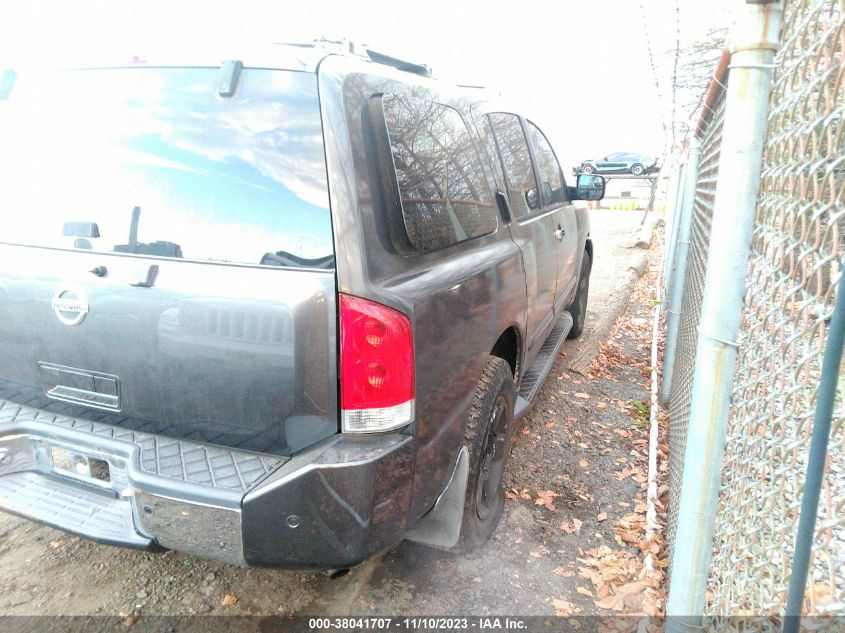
[(581, 70)]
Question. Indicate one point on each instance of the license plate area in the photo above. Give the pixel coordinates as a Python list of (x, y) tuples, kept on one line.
[(88, 467)]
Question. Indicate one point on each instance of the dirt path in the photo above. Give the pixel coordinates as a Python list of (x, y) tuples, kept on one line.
[(567, 457)]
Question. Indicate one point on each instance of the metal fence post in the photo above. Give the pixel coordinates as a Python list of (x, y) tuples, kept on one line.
[(754, 41), (674, 195), (677, 274)]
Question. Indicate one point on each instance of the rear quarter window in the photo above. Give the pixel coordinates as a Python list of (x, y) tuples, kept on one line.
[(444, 191)]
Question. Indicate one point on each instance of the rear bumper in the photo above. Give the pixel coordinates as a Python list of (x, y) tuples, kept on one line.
[(330, 506)]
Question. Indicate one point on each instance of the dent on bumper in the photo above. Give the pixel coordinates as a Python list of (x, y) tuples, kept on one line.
[(333, 505)]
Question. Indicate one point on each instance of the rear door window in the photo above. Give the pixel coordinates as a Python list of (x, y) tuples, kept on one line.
[(152, 162), (516, 162), (444, 191), (552, 185)]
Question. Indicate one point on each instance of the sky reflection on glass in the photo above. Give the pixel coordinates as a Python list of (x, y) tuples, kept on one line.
[(225, 179)]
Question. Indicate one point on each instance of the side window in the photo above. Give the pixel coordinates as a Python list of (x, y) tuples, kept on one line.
[(551, 178), (444, 191), (489, 144), (516, 162)]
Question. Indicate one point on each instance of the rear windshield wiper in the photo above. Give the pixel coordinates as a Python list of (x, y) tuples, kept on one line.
[(283, 258)]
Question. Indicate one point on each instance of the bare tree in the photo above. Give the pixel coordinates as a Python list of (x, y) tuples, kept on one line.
[(696, 65)]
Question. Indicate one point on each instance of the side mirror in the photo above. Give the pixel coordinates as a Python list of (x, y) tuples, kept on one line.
[(588, 187), (532, 199)]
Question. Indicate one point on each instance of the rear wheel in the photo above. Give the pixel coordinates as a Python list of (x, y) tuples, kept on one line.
[(637, 169), (578, 309), (488, 442)]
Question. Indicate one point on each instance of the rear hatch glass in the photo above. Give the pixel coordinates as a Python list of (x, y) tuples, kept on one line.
[(166, 253)]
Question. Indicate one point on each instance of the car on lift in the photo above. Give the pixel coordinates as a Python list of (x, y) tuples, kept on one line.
[(282, 310), (620, 163)]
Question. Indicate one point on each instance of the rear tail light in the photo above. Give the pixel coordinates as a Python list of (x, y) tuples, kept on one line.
[(376, 367)]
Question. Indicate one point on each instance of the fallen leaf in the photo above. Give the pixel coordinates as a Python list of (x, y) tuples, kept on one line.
[(571, 527), (582, 395), (562, 607), (546, 498), (228, 600), (601, 516), (611, 602), (629, 589), (601, 405), (584, 463), (584, 592), (58, 544)]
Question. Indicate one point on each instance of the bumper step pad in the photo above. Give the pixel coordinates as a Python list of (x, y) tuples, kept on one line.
[(97, 516)]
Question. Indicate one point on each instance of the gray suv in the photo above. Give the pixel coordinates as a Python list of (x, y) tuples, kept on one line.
[(279, 311)]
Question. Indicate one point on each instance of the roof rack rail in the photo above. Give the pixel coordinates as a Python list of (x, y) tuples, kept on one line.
[(347, 47)]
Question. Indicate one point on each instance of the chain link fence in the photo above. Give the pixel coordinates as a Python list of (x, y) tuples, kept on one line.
[(690, 312), (795, 263)]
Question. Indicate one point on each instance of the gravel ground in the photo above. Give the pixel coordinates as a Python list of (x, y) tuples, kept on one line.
[(567, 446)]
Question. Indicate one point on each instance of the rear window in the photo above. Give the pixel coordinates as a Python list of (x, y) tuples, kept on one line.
[(151, 161), (444, 190)]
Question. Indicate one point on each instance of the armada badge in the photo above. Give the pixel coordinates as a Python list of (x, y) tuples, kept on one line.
[(70, 306)]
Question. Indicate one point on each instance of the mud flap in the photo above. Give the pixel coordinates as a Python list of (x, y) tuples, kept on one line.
[(441, 527)]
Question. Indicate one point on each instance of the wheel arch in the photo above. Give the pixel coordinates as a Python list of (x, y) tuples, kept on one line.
[(509, 348)]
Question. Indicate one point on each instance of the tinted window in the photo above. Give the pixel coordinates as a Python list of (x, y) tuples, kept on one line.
[(516, 161), (490, 148), (445, 194), (241, 179), (551, 178)]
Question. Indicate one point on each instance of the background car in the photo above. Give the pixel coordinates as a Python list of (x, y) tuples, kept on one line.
[(620, 163)]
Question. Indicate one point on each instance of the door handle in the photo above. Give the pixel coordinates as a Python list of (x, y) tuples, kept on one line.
[(560, 232)]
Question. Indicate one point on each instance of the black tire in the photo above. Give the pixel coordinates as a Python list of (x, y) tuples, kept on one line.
[(578, 309), (587, 169), (487, 439), (637, 169)]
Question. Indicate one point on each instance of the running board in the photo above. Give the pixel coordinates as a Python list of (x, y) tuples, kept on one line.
[(535, 375)]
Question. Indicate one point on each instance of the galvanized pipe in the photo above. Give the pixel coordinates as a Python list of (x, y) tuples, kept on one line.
[(677, 276), (826, 399), (754, 40), (674, 195)]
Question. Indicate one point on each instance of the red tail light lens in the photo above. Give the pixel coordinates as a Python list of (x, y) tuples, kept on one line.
[(376, 366)]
